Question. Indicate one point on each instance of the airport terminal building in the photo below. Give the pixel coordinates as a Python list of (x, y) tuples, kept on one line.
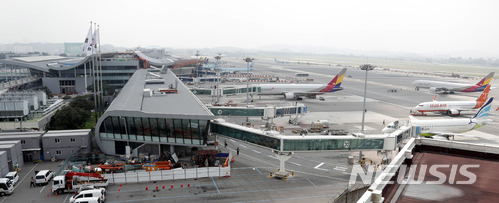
[(154, 113), (69, 75)]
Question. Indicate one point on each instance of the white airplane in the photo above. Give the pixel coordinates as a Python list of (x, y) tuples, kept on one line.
[(451, 87), (447, 127), (452, 108), (280, 61), (296, 91)]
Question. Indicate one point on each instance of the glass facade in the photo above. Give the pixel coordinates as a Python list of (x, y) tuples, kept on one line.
[(236, 112), (254, 138), (161, 130), (332, 144)]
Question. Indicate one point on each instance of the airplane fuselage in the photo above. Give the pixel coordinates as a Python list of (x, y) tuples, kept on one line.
[(445, 106), (297, 89), (448, 86), (450, 126)]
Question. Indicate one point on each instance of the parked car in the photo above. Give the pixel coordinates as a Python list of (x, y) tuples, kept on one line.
[(13, 177), (43, 177), (88, 193), (6, 187)]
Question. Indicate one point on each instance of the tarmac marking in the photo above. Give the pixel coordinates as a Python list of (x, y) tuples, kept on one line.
[(215, 185), (311, 182), (258, 171), (244, 146), (42, 189), (66, 198), (317, 167), (294, 163), (272, 157), (256, 151), (322, 163), (339, 168)]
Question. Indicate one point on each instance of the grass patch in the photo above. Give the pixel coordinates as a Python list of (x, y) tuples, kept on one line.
[(90, 122)]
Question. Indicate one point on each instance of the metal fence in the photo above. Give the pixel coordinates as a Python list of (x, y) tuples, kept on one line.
[(175, 174)]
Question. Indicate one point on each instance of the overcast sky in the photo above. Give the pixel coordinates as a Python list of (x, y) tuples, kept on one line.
[(468, 28)]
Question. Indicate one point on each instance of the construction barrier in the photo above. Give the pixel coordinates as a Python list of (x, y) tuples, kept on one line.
[(160, 175)]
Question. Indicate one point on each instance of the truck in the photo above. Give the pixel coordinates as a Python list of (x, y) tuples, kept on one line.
[(74, 181)]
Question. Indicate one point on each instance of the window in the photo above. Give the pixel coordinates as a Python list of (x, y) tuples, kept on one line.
[(73, 139), (23, 142), (57, 140), (58, 152)]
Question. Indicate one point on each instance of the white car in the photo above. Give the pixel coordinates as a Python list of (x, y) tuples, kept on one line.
[(43, 177), (88, 193), (13, 177)]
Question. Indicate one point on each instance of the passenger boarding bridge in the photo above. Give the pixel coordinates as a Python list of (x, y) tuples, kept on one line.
[(284, 146), (297, 110)]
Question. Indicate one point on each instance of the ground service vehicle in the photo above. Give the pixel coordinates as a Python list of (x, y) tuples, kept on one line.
[(74, 181)]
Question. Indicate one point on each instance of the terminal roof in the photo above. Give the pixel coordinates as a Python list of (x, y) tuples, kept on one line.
[(142, 93)]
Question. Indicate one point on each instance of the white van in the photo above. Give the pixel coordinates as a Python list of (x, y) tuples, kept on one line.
[(88, 200), (88, 193), (13, 177), (43, 177), (6, 186)]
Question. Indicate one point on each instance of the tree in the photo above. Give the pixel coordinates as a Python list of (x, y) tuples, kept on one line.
[(69, 118), (47, 92), (83, 103)]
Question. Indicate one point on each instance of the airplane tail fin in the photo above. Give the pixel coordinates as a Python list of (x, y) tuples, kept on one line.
[(435, 98), (484, 111), (251, 66), (482, 98), (336, 82), (486, 80)]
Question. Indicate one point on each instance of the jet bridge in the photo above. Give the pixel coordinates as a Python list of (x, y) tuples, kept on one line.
[(286, 145), (297, 110)]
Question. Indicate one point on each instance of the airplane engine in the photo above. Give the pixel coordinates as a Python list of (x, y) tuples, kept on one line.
[(289, 95), (435, 90), (453, 112)]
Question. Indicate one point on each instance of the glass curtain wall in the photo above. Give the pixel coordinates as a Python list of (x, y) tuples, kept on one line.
[(182, 131)]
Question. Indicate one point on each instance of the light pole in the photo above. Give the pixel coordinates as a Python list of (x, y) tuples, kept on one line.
[(366, 67), (218, 57), (248, 61), (197, 63)]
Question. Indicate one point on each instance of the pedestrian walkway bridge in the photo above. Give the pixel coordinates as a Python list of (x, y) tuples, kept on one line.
[(293, 143), (297, 110)]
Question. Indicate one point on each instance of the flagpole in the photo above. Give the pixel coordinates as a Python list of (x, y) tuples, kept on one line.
[(100, 70), (94, 81)]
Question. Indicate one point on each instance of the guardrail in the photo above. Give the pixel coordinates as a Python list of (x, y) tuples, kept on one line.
[(374, 193)]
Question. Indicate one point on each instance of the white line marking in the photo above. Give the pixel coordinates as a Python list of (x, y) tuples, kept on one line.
[(272, 157), (256, 151), (317, 167), (243, 146), (322, 163), (294, 163), (42, 189)]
